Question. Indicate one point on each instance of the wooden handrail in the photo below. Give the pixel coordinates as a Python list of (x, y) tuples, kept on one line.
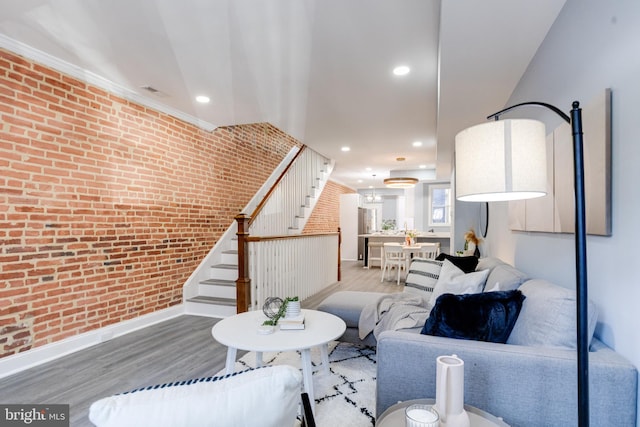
[(264, 200), (287, 236)]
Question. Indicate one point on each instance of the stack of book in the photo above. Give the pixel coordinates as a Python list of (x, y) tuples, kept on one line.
[(296, 322)]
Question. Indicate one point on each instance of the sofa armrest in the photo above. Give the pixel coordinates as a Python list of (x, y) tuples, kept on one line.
[(526, 386)]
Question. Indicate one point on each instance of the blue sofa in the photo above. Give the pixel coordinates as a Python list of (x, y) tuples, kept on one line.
[(529, 381)]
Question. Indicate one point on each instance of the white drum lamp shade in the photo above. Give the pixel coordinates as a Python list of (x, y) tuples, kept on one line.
[(501, 160)]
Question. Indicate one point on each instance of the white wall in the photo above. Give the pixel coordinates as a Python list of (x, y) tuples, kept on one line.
[(349, 226), (593, 45)]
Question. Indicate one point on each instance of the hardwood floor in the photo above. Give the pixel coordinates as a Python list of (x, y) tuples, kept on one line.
[(177, 349)]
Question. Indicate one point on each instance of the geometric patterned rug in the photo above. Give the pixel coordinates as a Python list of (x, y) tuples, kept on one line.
[(345, 397)]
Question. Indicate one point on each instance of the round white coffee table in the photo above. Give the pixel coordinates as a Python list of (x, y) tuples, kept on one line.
[(394, 415), (241, 332)]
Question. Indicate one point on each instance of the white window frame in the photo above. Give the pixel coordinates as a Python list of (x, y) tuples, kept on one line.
[(447, 206)]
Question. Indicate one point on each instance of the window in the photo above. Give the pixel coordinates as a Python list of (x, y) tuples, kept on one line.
[(440, 205)]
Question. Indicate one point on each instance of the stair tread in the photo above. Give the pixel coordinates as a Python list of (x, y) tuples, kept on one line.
[(227, 266), (213, 300), (218, 282)]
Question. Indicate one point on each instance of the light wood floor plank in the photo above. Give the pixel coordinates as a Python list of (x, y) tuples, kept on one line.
[(177, 349)]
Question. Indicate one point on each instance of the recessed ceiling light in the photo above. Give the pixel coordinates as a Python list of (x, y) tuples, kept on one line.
[(417, 143), (202, 99), (401, 70), (423, 166), (346, 149), (367, 169), (359, 181)]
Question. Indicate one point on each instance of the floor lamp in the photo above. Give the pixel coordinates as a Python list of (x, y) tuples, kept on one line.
[(506, 160)]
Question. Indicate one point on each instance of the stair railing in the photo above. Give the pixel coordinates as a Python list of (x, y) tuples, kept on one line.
[(274, 259), (287, 266), (283, 209)]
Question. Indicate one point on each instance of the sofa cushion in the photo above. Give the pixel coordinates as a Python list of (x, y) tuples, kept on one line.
[(504, 278), (265, 396), (348, 305), (489, 263), (548, 316), (453, 280), (488, 316), (422, 277), (464, 263)]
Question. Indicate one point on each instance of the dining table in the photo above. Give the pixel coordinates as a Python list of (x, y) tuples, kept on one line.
[(408, 251), (423, 237)]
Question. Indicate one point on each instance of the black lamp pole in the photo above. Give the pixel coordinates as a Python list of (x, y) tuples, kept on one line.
[(581, 251)]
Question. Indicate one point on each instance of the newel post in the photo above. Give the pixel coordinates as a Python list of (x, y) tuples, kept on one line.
[(243, 283)]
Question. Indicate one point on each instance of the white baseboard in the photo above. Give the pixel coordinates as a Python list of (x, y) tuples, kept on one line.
[(36, 356)]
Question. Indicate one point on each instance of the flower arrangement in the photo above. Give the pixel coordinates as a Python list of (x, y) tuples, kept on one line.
[(471, 243)]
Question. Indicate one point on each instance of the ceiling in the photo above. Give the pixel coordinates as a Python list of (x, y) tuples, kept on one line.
[(319, 70)]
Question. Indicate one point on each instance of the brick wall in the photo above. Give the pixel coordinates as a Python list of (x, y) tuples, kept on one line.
[(325, 217), (106, 207)]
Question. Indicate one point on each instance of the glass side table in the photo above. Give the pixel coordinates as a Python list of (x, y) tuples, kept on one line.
[(394, 415)]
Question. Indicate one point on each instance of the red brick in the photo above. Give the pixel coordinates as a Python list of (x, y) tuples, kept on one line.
[(104, 180)]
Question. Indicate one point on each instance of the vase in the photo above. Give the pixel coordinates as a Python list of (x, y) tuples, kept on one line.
[(293, 309), (450, 392)]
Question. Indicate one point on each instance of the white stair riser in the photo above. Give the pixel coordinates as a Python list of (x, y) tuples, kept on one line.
[(304, 212), (209, 310), (216, 291), (229, 259), (297, 222)]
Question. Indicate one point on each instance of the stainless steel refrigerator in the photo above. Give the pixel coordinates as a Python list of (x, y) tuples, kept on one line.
[(366, 225)]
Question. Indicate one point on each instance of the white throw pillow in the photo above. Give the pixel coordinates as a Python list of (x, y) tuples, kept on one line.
[(504, 278), (266, 397), (548, 316), (452, 280)]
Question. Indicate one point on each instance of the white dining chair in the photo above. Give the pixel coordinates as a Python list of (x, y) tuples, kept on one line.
[(427, 250), (377, 246), (393, 257), (420, 250)]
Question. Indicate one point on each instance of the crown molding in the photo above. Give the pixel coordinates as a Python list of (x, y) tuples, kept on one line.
[(99, 81)]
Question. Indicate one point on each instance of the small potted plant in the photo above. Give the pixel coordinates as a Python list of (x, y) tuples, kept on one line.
[(282, 311)]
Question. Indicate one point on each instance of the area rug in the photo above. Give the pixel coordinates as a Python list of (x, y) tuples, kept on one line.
[(344, 397)]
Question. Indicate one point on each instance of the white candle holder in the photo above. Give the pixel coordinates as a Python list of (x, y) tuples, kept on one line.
[(421, 416)]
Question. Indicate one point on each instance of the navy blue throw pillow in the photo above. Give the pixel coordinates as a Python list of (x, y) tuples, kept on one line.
[(467, 264), (488, 316)]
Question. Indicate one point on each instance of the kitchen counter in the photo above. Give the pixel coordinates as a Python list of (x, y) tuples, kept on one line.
[(400, 234), (443, 237)]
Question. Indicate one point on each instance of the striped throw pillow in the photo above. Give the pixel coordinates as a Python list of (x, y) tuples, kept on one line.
[(422, 276), (271, 393)]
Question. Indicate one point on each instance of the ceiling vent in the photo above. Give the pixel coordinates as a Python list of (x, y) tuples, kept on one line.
[(154, 91)]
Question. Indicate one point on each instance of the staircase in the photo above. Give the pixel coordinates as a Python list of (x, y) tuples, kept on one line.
[(211, 289), (216, 296)]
